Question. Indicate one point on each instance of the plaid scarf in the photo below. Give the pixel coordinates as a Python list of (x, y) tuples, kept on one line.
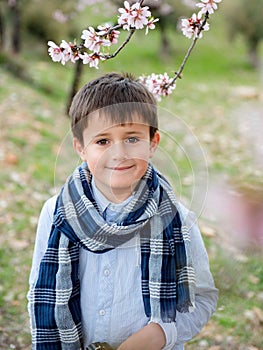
[(167, 273)]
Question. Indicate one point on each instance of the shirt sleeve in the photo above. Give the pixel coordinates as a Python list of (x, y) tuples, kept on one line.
[(42, 236), (170, 332)]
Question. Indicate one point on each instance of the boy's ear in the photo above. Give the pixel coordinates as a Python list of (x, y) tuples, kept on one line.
[(79, 148), (154, 143)]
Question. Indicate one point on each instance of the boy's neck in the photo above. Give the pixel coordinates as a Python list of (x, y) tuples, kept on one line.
[(116, 197)]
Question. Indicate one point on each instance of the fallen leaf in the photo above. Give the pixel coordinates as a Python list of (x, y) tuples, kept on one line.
[(259, 313), (11, 158), (254, 316), (253, 279), (18, 244)]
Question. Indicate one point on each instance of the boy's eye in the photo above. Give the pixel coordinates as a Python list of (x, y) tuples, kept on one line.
[(132, 139), (102, 142)]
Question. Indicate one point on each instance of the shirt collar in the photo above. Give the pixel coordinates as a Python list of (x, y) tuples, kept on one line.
[(103, 202)]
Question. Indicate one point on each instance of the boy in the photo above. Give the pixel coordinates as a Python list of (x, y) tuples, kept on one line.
[(117, 258)]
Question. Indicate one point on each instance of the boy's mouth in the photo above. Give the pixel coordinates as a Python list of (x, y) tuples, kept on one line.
[(121, 168)]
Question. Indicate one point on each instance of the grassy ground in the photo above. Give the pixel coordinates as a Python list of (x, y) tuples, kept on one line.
[(210, 129)]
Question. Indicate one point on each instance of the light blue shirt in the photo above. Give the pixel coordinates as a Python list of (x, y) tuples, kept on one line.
[(111, 296)]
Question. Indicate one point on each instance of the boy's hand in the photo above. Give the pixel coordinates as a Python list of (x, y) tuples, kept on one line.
[(150, 337)]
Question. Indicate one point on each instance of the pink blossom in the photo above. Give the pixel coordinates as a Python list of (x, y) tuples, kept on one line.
[(112, 36), (82, 4), (68, 54), (91, 59), (189, 3), (134, 16), (93, 41), (139, 17), (208, 6), (55, 52), (158, 84), (191, 26), (125, 14), (60, 17), (62, 53), (150, 24)]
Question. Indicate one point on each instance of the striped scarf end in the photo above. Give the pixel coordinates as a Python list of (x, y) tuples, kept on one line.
[(186, 306)]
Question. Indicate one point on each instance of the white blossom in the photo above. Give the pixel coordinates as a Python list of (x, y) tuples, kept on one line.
[(93, 41), (134, 16), (68, 54), (139, 17), (111, 35), (62, 53), (208, 6), (125, 13), (150, 24), (55, 51), (91, 59), (191, 26), (158, 84)]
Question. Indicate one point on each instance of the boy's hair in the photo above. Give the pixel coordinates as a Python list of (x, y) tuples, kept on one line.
[(116, 96)]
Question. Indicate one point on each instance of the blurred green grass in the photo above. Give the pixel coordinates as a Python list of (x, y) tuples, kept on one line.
[(34, 125)]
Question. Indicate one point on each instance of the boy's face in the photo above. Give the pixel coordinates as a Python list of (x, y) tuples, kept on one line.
[(117, 154)]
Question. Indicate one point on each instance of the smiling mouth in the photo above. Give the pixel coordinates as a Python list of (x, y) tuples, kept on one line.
[(121, 168)]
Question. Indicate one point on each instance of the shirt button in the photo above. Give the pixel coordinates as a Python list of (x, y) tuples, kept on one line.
[(106, 272), (102, 312)]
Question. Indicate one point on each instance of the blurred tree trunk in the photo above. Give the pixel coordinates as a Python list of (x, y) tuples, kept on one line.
[(16, 35), (165, 46), (2, 30), (75, 83), (253, 53)]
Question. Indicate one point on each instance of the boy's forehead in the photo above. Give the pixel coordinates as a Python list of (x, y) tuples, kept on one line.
[(107, 120), (101, 125)]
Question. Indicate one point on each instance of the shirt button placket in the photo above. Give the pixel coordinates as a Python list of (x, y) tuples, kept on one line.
[(105, 297)]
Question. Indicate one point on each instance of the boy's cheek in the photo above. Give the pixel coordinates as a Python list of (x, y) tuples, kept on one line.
[(142, 155)]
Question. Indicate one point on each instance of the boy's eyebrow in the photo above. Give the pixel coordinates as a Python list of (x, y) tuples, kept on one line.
[(103, 134), (134, 132)]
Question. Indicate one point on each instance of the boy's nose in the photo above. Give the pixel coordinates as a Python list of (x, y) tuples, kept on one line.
[(119, 151)]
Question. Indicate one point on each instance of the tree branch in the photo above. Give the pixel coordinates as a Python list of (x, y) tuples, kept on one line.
[(107, 57), (189, 51)]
